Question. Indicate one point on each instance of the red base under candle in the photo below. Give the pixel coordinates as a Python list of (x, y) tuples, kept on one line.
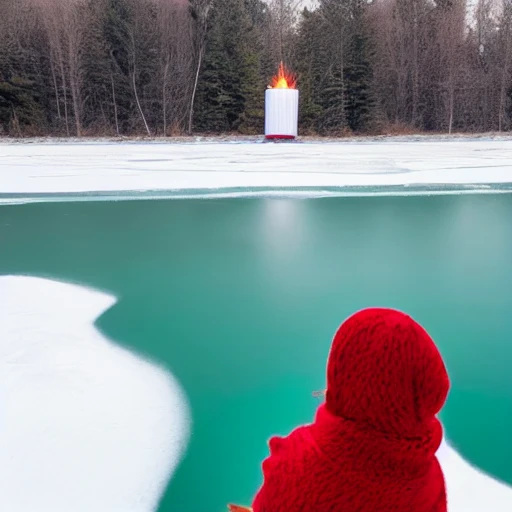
[(279, 136)]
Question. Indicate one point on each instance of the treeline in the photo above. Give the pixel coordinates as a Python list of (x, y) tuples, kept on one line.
[(167, 67)]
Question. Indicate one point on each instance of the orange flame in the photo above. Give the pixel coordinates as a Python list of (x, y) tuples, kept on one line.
[(284, 79)]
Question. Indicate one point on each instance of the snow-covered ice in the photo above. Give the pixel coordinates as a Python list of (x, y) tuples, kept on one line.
[(84, 424), (55, 168), (470, 490)]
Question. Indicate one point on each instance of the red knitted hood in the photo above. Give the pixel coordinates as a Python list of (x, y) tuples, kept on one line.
[(385, 373), (373, 442)]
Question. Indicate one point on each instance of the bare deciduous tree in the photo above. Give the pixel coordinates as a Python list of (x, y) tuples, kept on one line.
[(200, 13), (175, 37), (505, 27), (65, 29), (450, 26), (279, 37)]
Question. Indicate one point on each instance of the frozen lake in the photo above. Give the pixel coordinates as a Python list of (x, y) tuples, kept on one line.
[(146, 169), (100, 378)]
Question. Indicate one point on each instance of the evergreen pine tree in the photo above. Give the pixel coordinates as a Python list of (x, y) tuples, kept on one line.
[(20, 98), (19, 106), (231, 88), (333, 120), (308, 65), (116, 36), (251, 119), (213, 98), (360, 104)]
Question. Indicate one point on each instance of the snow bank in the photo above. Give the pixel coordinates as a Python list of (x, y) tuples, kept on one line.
[(470, 490), (76, 168), (84, 425)]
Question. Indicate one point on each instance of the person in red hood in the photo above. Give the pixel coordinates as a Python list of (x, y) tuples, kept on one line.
[(372, 445)]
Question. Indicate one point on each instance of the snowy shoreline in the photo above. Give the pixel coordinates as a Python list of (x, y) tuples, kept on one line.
[(238, 166), (244, 139)]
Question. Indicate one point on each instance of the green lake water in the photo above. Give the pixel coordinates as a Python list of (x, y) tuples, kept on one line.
[(239, 298)]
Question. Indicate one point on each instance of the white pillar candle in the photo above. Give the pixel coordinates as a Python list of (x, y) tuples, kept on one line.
[(281, 113)]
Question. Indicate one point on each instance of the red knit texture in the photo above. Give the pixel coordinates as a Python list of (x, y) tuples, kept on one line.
[(372, 445)]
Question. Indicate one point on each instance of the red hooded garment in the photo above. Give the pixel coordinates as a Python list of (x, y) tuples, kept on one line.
[(372, 445)]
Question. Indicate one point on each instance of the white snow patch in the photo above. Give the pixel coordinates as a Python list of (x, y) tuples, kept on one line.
[(84, 424), (470, 490), (100, 167)]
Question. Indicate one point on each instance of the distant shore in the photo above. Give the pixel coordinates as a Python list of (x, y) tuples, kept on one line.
[(236, 138)]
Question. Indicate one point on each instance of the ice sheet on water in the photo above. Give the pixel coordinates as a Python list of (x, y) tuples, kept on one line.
[(264, 192), (85, 425), (41, 168), (469, 489)]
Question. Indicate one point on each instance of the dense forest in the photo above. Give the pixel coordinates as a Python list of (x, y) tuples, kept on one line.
[(168, 67)]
